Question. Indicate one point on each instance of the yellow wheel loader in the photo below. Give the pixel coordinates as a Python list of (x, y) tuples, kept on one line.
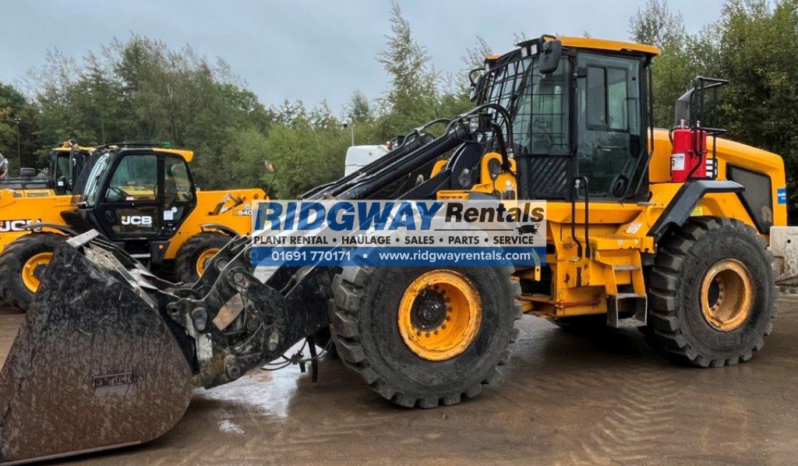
[(140, 197), (560, 119), (64, 165)]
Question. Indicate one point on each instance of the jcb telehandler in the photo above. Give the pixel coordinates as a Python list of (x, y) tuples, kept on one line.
[(566, 120), (141, 197)]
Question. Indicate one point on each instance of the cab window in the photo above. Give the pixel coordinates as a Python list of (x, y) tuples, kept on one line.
[(135, 179), (177, 184), (540, 122), (94, 180)]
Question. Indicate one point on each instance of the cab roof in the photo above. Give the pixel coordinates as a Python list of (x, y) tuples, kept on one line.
[(583, 43), (188, 155), (605, 44), (68, 149)]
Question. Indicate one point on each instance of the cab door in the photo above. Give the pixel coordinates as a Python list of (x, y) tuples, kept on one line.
[(130, 202), (179, 195), (611, 136)]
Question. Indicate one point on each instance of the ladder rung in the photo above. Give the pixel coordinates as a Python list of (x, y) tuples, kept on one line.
[(625, 268), (629, 295)]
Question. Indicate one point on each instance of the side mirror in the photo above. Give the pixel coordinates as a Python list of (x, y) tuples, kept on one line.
[(270, 167), (550, 53)]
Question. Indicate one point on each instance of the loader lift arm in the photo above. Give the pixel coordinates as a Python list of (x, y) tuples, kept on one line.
[(292, 304)]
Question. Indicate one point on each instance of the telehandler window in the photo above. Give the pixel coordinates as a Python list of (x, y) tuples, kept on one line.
[(177, 185), (135, 179), (95, 178)]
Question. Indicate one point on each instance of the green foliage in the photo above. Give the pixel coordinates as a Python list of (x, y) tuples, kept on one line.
[(755, 46), (678, 65), (17, 113), (305, 156), (140, 90)]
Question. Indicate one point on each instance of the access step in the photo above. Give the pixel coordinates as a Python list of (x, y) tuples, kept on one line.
[(627, 310)]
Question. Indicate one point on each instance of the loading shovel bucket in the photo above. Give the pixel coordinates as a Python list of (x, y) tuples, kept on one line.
[(93, 367)]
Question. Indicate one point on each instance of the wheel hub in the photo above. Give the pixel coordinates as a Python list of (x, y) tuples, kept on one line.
[(203, 259), (727, 294), (439, 315), (429, 309), (33, 270)]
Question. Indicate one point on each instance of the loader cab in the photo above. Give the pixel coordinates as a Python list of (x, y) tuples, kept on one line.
[(65, 165), (580, 108), (137, 195)]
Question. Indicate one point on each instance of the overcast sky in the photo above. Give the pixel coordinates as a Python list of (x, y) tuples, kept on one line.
[(303, 49)]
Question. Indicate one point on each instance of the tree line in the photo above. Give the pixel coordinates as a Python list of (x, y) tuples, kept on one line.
[(140, 89)]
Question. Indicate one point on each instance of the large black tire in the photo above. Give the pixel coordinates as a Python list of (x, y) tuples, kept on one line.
[(678, 325), (364, 327), (191, 252), (12, 266)]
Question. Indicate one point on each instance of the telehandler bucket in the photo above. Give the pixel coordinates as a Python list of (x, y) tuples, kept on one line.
[(93, 367)]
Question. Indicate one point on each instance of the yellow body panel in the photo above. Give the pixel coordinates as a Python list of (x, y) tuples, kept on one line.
[(619, 232), (238, 218), (16, 211), (728, 152)]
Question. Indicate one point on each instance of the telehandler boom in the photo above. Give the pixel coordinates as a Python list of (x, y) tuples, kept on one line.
[(561, 119)]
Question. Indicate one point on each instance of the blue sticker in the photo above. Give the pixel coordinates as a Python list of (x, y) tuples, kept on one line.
[(781, 195)]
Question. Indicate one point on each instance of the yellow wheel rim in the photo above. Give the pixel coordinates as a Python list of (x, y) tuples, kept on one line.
[(204, 257), (439, 315), (29, 277), (727, 295)]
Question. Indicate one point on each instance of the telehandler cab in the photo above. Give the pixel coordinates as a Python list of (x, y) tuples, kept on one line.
[(566, 120), (139, 196)]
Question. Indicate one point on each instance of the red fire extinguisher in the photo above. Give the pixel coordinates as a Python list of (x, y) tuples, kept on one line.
[(688, 157)]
